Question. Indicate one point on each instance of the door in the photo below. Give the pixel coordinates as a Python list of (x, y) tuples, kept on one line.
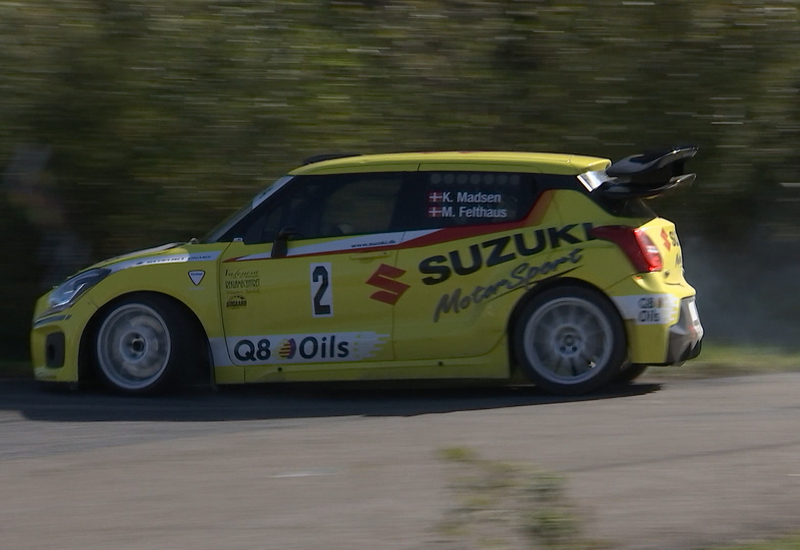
[(308, 311), (490, 238)]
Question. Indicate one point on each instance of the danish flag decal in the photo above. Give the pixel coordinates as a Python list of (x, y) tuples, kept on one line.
[(384, 278), (435, 212), (438, 196)]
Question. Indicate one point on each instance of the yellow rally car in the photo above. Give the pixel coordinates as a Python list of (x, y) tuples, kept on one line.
[(473, 265)]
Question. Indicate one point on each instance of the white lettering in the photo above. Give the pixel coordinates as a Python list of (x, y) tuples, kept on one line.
[(481, 212), (463, 196)]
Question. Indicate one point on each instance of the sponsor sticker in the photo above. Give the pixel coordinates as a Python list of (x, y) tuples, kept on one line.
[(177, 258), (437, 269), (238, 281), (166, 259), (665, 238), (321, 290), (236, 301), (196, 276), (649, 309), (305, 348), (384, 279), (521, 276)]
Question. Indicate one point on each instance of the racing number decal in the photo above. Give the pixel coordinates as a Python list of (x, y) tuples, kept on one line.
[(321, 290)]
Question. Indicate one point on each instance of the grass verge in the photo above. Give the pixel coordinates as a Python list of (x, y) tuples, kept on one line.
[(785, 543), (504, 506), (725, 360), (499, 505)]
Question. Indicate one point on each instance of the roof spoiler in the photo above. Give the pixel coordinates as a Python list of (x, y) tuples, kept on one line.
[(648, 174)]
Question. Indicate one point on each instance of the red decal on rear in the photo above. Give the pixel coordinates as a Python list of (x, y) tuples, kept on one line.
[(665, 237)]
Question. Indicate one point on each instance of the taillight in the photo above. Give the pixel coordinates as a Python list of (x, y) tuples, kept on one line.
[(636, 245)]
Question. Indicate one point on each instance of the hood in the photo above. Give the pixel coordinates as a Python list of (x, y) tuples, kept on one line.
[(137, 254), (165, 254)]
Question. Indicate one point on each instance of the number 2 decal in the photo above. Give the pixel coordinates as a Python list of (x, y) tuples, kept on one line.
[(321, 290)]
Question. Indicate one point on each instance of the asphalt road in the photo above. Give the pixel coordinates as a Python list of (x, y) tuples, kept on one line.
[(673, 465)]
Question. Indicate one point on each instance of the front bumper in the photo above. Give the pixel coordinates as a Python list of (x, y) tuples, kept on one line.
[(55, 340)]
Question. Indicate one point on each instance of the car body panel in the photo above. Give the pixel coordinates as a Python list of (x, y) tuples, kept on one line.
[(163, 270), (70, 322), (274, 302), (452, 314), (664, 235)]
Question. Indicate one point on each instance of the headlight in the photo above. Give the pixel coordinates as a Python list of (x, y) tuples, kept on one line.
[(66, 294)]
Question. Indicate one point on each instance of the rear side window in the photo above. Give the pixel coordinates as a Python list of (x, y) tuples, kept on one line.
[(364, 204), (447, 199)]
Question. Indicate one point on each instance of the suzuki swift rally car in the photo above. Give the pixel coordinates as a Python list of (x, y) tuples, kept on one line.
[(544, 268)]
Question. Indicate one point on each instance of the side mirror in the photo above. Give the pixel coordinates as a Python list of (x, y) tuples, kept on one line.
[(280, 246)]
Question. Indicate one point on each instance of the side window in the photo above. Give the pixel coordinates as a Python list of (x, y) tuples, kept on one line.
[(264, 227), (362, 205), (327, 206), (447, 199)]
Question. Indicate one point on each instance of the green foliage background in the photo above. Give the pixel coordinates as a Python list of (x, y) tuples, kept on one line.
[(162, 117)]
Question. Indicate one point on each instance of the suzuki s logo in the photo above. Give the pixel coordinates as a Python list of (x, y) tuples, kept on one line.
[(384, 278), (665, 238)]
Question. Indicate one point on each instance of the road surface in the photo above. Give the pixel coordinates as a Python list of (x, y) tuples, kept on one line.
[(678, 464)]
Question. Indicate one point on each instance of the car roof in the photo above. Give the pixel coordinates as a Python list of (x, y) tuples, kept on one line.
[(542, 163)]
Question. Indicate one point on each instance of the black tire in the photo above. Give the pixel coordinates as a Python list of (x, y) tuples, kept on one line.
[(629, 374), (144, 344), (570, 340)]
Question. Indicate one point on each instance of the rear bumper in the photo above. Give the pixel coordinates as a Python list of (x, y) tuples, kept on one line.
[(686, 336)]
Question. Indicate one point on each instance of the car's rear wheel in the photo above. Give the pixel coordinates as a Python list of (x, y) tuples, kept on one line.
[(142, 344), (570, 340)]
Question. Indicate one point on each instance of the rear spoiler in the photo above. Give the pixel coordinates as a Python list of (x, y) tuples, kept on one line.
[(648, 174)]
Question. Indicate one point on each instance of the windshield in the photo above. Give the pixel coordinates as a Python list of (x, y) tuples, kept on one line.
[(215, 234)]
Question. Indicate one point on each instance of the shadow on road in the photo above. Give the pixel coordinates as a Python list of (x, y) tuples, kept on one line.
[(259, 402)]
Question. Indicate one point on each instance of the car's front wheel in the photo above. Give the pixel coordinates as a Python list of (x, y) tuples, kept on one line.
[(142, 343), (570, 340)]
